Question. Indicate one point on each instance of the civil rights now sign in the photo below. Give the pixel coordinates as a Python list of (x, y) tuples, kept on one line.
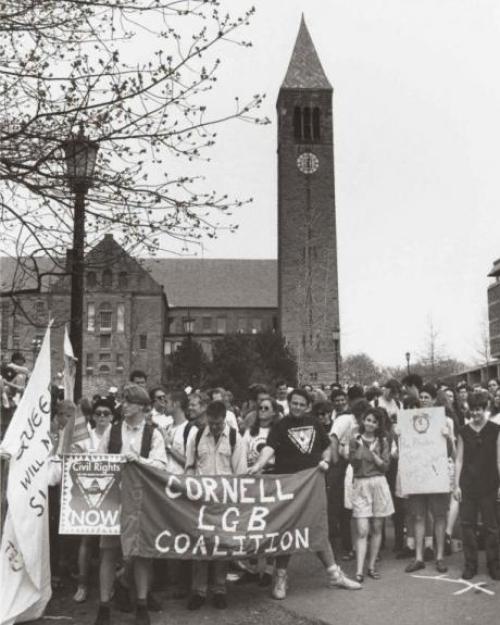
[(90, 494), (223, 517)]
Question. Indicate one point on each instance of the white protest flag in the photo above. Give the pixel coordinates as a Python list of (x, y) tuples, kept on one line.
[(69, 366), (24, 556)]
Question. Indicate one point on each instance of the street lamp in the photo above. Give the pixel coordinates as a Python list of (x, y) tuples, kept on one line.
[(336, 343), (408, 356), (189, 330), (80, 156)]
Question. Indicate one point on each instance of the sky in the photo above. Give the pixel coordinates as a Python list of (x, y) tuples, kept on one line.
[(417, 130)]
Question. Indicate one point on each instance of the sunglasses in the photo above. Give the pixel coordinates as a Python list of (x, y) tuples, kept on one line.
[(161, 397), (102, 413), (265, 408)]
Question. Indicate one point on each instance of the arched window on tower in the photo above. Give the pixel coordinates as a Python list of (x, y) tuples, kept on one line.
[(316, 124), (306, 120), (107, 278), (297, 122)]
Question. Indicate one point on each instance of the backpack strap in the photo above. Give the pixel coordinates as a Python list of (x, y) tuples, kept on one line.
[(199, 434), (232, 440), (147, 438), (185, 434), (115, 438)]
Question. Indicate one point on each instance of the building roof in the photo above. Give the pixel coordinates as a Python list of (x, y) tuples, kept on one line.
[(495, 272), (305, 70), (22, 273), (216, 283), (187, 282)]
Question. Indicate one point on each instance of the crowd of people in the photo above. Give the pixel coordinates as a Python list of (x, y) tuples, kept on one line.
[(351, 434)]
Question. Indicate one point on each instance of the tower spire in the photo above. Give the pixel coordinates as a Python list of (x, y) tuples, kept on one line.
[(305, 70)]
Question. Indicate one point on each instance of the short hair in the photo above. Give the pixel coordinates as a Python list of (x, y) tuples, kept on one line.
[(430, 389), (138, 373), (257, 389), (154, 390), (338, 392), (478, 400), (413, 379), (179, 397), (321, 407), (217, 389), (202, 396), (18, 356), (216, 409), (359, 407), (105, 403), (135, 394), (301, 393), (355, 392), (281, 382)]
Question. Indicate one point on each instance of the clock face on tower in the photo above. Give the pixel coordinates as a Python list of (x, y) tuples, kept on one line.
[(308, 163)]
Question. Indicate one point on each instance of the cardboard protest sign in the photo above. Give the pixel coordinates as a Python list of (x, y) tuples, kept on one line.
[(24, 553), (90, 494), (222, 517), (423, 460)]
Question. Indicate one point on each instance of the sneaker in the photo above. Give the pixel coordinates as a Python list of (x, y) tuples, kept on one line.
[(415, 565), (81, 594), (428, 554), (142, 615), (468, 572), (405, 553), (266, 580), (121, 598), (195, 602), (447, 545), (220, 601), (103, 615), (337, 577), (280, 584), (441, 566)]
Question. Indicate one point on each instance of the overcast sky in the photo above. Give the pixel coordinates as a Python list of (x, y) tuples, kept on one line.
[(417, 130)]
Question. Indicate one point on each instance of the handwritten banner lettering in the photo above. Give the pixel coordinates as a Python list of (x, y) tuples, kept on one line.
[(223, 517), (90, 494), (423, 462)]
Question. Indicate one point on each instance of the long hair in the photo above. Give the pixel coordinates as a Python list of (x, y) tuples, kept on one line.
[(277, 409), (380, 432)]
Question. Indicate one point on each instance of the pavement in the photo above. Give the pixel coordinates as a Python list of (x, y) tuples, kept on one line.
[(397, 597)]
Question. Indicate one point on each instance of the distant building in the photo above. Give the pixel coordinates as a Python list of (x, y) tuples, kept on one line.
[(494, 309)]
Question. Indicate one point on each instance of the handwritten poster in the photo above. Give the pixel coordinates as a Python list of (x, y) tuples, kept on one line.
[(423, 461), (90, 494)]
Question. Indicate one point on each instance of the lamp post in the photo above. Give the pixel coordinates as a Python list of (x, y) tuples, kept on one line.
[(80, 155), (408, 356), (336, 343)]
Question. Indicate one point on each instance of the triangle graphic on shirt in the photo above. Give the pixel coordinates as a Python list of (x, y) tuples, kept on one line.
[(303, 438), (94, 488)]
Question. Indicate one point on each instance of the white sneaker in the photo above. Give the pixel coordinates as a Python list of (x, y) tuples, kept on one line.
[(81, 594), (280, 584), (337, 577)]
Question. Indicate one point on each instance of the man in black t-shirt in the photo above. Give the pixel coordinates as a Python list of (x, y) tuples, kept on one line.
[(298, 442), (477, 481)]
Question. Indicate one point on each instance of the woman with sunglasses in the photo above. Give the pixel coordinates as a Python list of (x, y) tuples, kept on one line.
[(99, 424), (254, 438)]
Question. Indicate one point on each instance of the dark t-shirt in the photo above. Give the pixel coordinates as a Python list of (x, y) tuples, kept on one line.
[(479, 470), (298, 443)]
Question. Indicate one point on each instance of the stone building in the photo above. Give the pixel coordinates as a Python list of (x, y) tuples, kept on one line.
[(138, 312), (494, 310)]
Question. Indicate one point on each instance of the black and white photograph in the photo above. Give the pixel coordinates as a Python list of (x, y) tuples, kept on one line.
[(249, 312)]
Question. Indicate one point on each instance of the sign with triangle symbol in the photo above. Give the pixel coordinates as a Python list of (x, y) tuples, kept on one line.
[(303, 438), (94, 488)]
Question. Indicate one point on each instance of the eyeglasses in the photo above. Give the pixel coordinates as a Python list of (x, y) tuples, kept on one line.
[(160, 397), (102, 413), (265, 408)]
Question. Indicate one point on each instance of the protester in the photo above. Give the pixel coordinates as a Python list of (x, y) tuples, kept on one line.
[(197, 406), (137, 442), (281, 395), (299, 442), (138, 377), (371, 498), (217, 449), (477, 484)]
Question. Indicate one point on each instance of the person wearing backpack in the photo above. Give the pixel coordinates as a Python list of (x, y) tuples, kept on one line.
[(217, 449), (136, 441)]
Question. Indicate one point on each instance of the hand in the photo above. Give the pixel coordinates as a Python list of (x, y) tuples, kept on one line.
[(254, 469), (445, 431), (324, 465), (131, 456), (457, 493)]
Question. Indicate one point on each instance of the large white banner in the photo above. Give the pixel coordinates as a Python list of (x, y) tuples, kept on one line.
[(423, 460), (24, 558)]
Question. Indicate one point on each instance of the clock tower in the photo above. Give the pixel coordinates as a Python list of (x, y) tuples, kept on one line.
[(307, 240)]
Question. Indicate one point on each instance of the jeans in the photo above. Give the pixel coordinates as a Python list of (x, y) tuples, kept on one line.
[(202, 569), (339, 518), (470, 507)]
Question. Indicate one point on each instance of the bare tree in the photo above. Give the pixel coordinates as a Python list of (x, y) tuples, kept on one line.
[(137, 75), (483, 344)]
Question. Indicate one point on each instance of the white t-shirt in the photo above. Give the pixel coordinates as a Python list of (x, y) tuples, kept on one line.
[(161, 420), (177, 432), (342, 429), (284, 403), (254, 444)]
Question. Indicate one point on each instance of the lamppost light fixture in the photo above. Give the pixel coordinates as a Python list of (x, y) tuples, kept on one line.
[(81, 157)]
